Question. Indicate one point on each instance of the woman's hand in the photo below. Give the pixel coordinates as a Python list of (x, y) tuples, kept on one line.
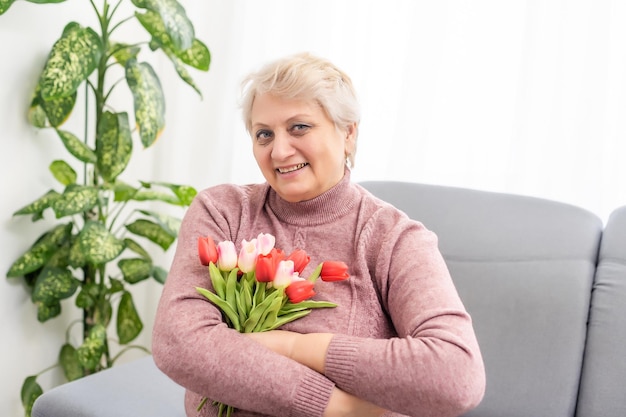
[(310, 350), (306, 349), (342, 404)]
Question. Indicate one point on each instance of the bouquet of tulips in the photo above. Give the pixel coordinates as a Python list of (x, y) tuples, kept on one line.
[(259, 288)]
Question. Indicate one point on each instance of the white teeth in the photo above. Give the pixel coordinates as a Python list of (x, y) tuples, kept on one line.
[(291, 169)]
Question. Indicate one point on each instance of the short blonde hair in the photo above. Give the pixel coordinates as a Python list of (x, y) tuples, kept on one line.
[(306, 77)]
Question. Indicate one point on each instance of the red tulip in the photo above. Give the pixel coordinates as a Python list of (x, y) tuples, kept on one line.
[(266, 265), (300, 260), (207, 250), (299, 291), (334, 271)]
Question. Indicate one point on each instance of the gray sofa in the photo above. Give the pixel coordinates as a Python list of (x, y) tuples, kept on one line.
[(545, 283)]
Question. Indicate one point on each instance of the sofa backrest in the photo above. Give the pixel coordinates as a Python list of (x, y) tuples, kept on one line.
[(524, 268), (603, 383)]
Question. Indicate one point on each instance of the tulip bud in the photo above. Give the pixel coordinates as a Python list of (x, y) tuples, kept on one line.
[(300, 260), (207, 250), (226, 255), (334, 271), (247, 256)]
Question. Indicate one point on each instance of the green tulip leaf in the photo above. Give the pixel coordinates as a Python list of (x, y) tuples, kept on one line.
[(98, 245), (31, 390), (94, 345), (129, 324), (135, 270), (39, 254), (38, 206), (54, 284), (149, 100), (75, 199), (152, 231), (72, 59), (77, 148), (63, 172), (114, 145), (159, 274), (176, 25), (68, 358)]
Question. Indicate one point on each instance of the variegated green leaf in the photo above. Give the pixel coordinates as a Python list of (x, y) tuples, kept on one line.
[(37, 116), (123, 191), (114, 145), (103, 313), (76, 257), (198, 56), (77, 148), (37, 256), (55, 111), (182, 71), (68, 358), (45, 1), (54, 284), (135, 269), (151, 195), (46, 312), (90, 352), (159, 274), (170, 223), (116, 285), (153, 232), (31, 390), (129, 324), (38, 206), (72, 59), (58, 110), (149, 100), (123, 52), (185, 193), (86, 297), (63, 172), (137, 248), (75, 199), (98, 244), (175, 22)]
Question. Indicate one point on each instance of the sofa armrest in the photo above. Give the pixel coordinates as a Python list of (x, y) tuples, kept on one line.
[(134, 389)]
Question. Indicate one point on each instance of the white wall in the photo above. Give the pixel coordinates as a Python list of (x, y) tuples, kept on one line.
[(520, 96)]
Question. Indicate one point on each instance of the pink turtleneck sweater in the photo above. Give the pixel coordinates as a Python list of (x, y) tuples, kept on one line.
[(402, 337)]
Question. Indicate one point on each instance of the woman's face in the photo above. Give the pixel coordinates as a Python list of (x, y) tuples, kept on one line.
[(297, 146)]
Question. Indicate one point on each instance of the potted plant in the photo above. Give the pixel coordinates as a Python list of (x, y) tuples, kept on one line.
[(95, 249)]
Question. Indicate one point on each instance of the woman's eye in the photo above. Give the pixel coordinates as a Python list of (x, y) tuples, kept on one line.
[(299, 129), (263, 136)]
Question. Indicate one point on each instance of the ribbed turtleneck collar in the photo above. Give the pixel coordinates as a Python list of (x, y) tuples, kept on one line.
[(329, 206)]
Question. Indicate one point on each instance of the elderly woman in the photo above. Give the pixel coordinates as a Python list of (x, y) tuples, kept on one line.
[(400, 341)]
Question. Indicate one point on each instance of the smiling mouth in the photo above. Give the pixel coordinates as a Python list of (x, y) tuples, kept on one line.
[(292, 168)]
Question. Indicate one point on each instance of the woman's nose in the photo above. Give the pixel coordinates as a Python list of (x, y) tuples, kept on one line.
[(281, 146)]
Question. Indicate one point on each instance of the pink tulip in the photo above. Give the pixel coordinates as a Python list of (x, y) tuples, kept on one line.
[(247, 256), (284, 274), (265, 243), (226, 255)]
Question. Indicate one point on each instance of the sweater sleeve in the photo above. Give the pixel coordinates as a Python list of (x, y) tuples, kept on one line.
[(434, 366), (194, 347)]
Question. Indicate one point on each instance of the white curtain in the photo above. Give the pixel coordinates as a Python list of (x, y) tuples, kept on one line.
[(526, 97)]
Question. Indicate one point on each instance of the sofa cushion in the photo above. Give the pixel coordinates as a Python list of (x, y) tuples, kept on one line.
[(604, 371), (524, 268)]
